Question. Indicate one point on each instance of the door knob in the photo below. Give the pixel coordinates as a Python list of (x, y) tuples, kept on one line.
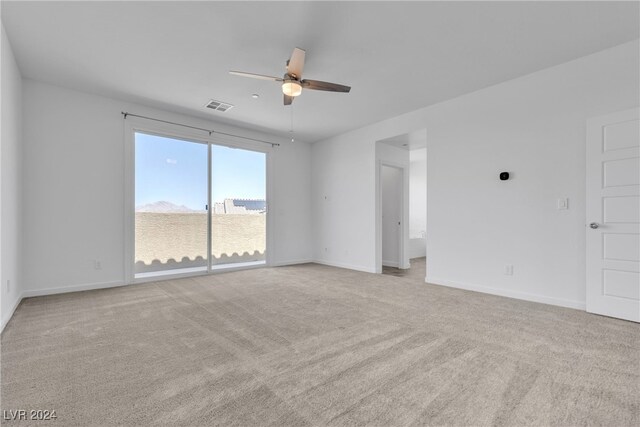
[(594, 225)]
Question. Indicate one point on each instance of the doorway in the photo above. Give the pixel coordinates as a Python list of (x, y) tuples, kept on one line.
[(391, 188), (401, 206), (613, 215)]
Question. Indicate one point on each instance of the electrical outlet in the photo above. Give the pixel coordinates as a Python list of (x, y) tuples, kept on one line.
[(8, 286), (97, 264), (508, 270), (563, 204)]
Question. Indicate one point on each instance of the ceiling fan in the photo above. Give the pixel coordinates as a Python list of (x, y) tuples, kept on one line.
[(292, 82)]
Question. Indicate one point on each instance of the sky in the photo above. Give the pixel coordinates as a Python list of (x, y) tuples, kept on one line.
[(175, 171)]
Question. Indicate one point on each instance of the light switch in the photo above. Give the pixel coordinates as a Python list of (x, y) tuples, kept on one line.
[(563, 204), (508, 270)]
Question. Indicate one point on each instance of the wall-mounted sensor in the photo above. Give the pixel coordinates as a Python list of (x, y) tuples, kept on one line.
[(504, 176)]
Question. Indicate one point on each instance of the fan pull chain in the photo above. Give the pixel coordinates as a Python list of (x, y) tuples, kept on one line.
[(291, 130)]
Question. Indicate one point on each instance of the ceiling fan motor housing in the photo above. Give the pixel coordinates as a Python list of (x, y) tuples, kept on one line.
[(291, 86)]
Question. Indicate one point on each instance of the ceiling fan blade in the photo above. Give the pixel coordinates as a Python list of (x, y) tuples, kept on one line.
[(318, 85), (288, 100), (295, 65), (255, 76)]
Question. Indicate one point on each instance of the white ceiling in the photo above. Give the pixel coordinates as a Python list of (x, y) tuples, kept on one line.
[(408, 141), (397, 57)]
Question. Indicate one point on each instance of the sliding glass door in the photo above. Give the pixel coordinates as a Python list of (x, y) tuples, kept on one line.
[(170, 204), (238, 195), (175, 231)]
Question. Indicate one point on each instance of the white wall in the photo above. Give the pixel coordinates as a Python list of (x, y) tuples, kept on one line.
[(343, 202), (74, 189), (418, 203), (418, 192), (534, 127), (10, 167)]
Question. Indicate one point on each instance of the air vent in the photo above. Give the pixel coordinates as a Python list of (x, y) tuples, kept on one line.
[(219, 106)]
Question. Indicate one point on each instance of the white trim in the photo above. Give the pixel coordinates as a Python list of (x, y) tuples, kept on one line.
[(7, 319), (291, 262), (170, 273), (116, 284), (209, 206), (347, 266), (168, 276), (390, 264), (561, 302), (226, 268), (269, 219), (128, 130), (72, 288), (403, 255)]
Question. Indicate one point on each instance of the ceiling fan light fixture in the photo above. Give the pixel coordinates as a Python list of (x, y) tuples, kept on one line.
[(291, 88), (292, 81)]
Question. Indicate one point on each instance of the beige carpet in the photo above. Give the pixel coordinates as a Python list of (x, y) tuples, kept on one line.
[(417, 272), (315, 345)]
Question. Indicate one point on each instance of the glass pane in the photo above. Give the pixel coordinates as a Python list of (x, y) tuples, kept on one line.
[(170, 199), (238, 195)]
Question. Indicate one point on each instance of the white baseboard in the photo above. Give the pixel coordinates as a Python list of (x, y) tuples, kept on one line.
[(291, 262), (6, 318), (390, 264), (561, 302), (347, 266), (113, 284), (51, 291), (72, 288)]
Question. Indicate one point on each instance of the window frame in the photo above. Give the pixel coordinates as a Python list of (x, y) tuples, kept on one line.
[(133, 125)]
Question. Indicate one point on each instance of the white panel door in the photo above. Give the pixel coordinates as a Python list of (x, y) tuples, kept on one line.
[(391, 183), (613, 215)]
